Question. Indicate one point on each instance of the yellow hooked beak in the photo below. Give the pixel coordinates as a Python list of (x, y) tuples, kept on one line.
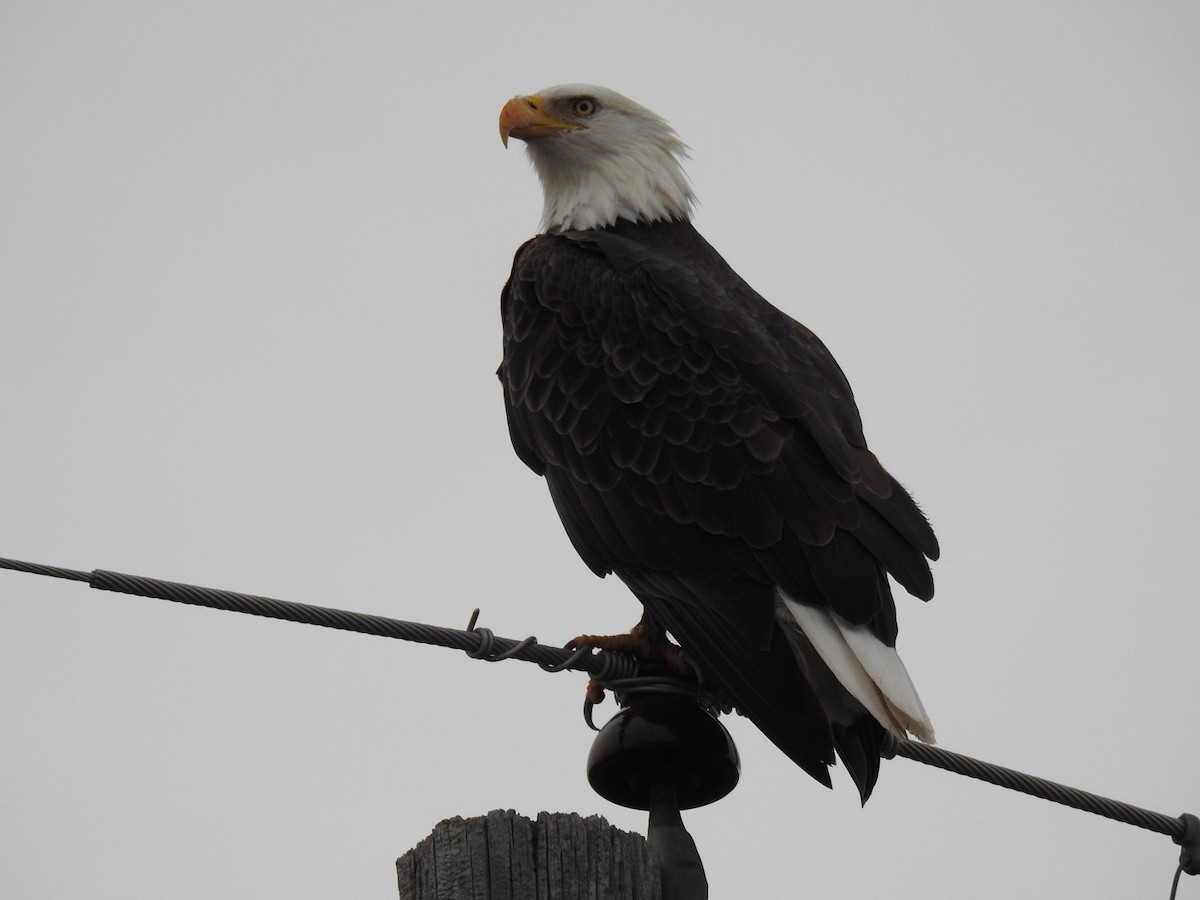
[(525, 118)]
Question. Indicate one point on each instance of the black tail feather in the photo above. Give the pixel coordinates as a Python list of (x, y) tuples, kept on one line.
[(860, 747)]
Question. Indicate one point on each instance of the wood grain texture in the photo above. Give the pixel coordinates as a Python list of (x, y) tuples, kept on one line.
[(506, 856)]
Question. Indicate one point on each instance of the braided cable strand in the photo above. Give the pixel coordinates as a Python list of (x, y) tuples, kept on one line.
[(472, 642), (614, 670), (1175, 828), (479, 643), (38, 569)]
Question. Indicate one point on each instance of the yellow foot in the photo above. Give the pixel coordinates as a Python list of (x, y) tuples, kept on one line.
[(644, 641)]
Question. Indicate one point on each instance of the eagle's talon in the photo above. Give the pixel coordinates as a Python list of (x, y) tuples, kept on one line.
[(594, 694), (645, 640), (618, 643)]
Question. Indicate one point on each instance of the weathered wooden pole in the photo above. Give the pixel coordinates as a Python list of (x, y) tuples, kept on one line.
[(506, 856)]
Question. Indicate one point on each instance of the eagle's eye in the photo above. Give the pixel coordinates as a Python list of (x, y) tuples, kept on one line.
[(584, 106)]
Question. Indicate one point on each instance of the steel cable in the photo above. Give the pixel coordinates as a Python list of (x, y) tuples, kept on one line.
[(613, 670), (1000, 776), (479, 643)]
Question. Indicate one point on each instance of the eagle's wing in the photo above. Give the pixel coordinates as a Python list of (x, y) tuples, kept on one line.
[(707, 449)]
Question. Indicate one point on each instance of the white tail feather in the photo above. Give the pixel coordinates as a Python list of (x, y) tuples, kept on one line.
[(869, 669)]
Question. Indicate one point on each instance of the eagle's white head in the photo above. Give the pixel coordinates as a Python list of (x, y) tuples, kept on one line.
[(600, 157)]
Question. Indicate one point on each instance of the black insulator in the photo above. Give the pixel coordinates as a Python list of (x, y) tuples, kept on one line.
[(663, 739)]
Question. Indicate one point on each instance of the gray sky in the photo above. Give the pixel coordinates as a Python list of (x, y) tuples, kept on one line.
[(252, 255)]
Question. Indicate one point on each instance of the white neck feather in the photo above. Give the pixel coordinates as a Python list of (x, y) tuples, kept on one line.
[(610, 177)]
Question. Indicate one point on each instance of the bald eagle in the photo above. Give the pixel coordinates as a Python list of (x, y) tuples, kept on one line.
[(702, 445)]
